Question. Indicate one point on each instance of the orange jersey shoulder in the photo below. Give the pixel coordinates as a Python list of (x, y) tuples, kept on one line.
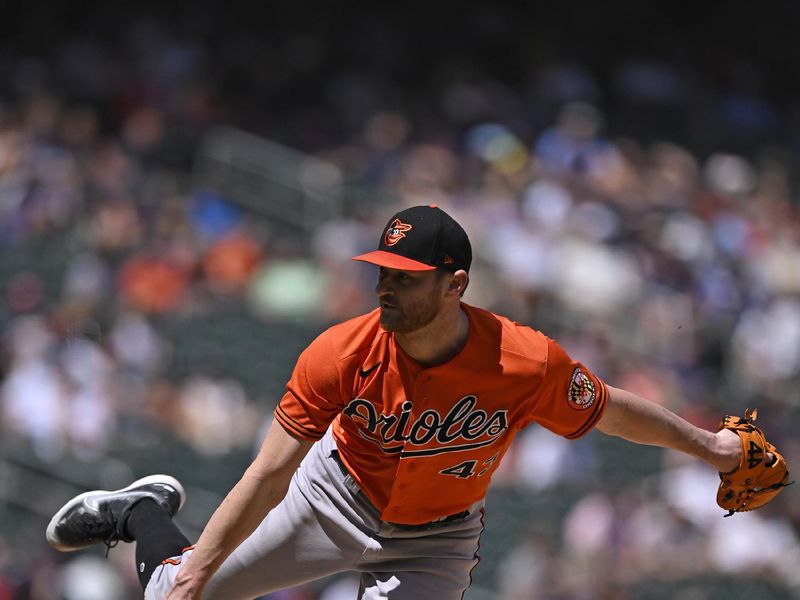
[(317, 389), (556, 391)]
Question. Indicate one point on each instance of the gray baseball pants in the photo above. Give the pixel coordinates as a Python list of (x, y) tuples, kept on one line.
[(326, 525)]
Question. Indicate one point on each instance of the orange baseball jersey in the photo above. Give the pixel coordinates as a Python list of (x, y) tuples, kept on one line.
[(422, 443)]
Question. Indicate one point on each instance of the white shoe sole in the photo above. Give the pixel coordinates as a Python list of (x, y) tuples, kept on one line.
[(51, 527)]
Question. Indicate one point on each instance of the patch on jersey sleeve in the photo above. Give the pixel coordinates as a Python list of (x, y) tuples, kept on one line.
[(581, 394)]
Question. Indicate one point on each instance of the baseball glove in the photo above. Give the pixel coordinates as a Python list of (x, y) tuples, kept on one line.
[(758, 478)]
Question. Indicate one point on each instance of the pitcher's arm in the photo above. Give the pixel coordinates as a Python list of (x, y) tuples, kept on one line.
[(261, 488), (638, 420)]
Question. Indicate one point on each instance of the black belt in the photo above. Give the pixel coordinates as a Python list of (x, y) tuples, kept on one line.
[(431, 524), (403, 526)]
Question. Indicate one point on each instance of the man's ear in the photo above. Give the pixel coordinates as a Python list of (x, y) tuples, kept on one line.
[(458, 284)]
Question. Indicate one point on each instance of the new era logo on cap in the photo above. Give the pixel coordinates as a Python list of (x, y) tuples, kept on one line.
[(422, 238)]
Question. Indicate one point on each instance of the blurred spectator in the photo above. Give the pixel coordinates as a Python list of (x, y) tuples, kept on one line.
[(90, 578), (34, 398), (152, 284), (529, 573), (87, 280), (541, 460), (572, 146), (231, 261), (291, 288), (114, 227), (731, 551), (88, 373), (136, 344), (766, 342), (215, 415), (25, 293)]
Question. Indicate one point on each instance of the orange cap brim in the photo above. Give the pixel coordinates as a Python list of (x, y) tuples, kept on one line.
[(393, 261)]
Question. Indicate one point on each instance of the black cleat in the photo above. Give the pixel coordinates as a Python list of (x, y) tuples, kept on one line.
[(100, 516)]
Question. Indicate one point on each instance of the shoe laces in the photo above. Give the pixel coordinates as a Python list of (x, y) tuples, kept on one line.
[(110, 542), (97, 528), (113, 537)]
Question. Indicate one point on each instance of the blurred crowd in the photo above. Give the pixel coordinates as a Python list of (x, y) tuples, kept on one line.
[(672, 269)]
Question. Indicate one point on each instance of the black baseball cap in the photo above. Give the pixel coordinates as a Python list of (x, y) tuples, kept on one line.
[(422, 238)]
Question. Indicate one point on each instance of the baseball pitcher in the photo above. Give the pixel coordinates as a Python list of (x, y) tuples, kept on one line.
[(386, 439)]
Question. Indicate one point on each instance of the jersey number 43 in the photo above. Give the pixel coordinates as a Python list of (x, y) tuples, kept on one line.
[(467, 468)]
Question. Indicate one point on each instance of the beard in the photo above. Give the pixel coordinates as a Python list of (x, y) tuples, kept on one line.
[(416, 315)]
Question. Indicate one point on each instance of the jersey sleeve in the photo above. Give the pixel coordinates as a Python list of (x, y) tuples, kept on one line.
[(570, 399), (312, 398)]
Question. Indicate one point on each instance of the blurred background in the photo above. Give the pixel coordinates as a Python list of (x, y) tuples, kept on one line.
[(181, 190)]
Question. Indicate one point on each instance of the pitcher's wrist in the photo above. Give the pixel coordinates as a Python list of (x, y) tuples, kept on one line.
[(727, 451)]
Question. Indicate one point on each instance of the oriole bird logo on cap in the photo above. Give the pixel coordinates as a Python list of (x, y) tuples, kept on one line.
[(396, 232)]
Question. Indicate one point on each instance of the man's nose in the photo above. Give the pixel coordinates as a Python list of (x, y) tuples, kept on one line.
[(382, 287)]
